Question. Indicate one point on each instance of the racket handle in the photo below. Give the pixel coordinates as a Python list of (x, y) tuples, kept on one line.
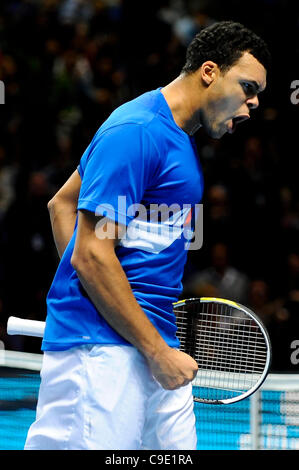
[(19, 326)]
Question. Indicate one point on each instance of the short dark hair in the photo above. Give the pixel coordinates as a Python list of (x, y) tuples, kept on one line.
[(224, 43)]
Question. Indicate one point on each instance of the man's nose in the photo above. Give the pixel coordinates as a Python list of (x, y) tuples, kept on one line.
[(253, 102)]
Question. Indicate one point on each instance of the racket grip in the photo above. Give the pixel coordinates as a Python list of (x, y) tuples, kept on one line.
[(20, 326)]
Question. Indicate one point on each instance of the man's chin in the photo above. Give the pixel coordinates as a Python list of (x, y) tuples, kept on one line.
[(216, 133)]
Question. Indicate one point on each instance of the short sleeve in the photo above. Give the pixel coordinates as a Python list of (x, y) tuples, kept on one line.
[(115, 171)]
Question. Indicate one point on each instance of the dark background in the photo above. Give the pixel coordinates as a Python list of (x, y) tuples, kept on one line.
[(66, 65)]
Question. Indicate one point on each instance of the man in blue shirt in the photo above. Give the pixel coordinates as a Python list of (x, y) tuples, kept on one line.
[(113, 377)]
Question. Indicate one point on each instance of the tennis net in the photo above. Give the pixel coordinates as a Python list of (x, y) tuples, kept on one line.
[(267, 420)]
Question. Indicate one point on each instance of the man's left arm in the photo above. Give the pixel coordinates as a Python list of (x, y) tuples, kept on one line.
[(63, 211)]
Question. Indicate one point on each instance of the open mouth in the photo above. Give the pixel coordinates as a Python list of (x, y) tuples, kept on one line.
[(235, 121)]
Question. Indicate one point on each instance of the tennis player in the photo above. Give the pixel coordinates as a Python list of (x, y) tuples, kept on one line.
[(112, 375)]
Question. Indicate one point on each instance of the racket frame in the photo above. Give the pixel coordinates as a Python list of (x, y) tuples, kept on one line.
[(254, 317), (36, 328)]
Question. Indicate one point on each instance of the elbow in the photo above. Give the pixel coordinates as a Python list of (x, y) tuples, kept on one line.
[(81, 266), (56, 204), (88, 260), (79, 262), (75, 262), (82, 261), (51, 204)]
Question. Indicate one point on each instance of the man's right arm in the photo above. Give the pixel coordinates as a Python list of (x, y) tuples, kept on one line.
[(105, 282)]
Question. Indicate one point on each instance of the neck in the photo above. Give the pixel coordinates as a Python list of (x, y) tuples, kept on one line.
[(180, 99)]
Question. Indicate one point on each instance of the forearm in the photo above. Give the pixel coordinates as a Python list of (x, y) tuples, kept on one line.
[(107, 286), (63, 223)]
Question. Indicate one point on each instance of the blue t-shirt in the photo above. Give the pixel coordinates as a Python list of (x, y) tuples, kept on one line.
[(139, 165)]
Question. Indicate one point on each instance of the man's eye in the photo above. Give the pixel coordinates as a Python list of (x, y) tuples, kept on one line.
[(247, 88)]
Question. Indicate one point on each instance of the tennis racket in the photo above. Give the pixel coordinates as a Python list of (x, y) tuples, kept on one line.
[(228, 341), (230, 345)]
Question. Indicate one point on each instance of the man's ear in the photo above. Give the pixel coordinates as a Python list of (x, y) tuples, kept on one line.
[(209, 71)]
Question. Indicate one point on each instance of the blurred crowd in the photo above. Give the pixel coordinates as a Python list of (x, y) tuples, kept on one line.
[(66, 65)]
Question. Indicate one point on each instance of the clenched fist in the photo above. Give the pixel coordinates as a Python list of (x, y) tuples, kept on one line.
[(172, 368)]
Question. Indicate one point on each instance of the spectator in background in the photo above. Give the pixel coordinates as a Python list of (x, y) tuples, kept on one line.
[(186, 19), (219, 223), (218, 203), (7, 178), (289, 220), (74, 11), (283, 330), (220, 279), (291, 281), (260, 302)]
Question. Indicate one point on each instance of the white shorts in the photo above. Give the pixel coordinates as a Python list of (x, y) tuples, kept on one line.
[(104, 397)]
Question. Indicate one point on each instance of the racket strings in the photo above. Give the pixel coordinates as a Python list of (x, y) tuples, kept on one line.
[(228, 346)]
